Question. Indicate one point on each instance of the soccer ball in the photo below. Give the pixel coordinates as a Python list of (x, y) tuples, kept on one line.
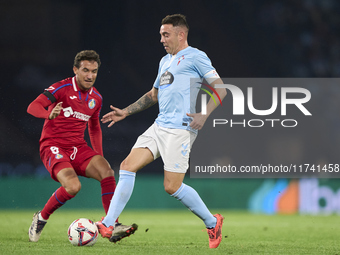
[(82, 232)]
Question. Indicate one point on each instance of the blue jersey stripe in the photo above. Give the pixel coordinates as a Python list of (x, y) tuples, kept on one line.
[(98, 94), (69, 84)]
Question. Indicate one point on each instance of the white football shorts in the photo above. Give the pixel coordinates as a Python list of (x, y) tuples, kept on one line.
[(173, 145)]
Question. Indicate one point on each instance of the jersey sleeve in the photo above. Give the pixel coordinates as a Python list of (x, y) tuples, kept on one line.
[(95, 131), (55, 91), (37, 107), (203, 64), (48, 97), (95, 134)]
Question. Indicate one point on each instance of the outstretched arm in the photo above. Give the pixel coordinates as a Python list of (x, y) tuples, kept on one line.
[(147, 100), (199, 119)]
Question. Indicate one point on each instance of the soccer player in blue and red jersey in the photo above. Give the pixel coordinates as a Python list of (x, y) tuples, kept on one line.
[(73, 104), (175, 89)]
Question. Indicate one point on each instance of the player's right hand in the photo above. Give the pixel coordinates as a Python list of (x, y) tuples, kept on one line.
[(55, 111), (114, 116)]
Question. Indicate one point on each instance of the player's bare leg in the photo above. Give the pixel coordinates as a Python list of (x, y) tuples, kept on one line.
[(69, 180), (137, 159), (172, 181), (98, 168)]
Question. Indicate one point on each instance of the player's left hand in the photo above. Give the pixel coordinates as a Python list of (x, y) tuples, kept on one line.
[(198, 120)]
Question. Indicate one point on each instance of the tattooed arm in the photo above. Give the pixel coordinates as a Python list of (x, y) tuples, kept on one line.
[(147, 100)]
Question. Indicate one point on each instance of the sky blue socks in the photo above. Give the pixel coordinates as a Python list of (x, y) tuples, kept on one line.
[(121, 197), (187, 195), (190, 198)]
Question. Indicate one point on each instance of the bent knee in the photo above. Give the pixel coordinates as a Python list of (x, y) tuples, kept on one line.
[(170, 189), (108, 172), (126, 166), (73, 187)]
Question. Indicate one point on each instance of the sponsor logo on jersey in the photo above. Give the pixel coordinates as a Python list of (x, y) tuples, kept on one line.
[(68, 111), (92, 103), (166, 79), (73, 97), (78, 115)]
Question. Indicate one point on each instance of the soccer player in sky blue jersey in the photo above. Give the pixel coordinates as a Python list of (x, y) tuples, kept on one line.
[(175, 129), (177, 89)]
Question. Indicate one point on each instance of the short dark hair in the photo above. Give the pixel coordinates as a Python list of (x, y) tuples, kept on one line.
[(89, 55), (177, 20)]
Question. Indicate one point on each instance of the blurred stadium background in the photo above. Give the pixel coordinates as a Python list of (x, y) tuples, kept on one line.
[(277, 38)]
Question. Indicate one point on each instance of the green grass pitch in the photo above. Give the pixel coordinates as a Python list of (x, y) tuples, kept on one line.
[(178, 232)]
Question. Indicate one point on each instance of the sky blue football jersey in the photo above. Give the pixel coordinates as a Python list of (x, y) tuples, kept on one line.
[(178, 83)]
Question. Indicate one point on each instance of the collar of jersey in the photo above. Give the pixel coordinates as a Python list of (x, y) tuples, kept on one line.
[(76, 88)]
